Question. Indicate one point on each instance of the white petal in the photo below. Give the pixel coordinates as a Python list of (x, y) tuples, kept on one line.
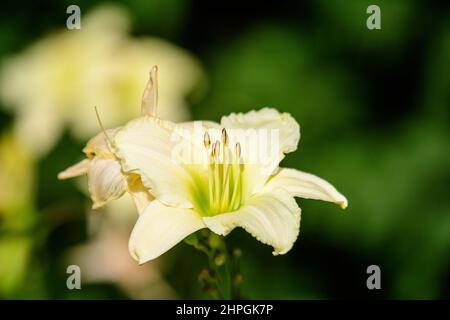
[(100, 145), (267, 118), (149, 147), (140, 194), (105, 181), (48, 130), (265, 137), (272, 218), (203, 124), (76, 170), (306, 185), (159, 228)]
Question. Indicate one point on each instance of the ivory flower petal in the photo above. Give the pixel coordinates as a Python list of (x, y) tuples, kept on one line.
[(105, 181), (146, 146), (100, 146), (75, 170), (159, 228), (272, 218), (267, 118), (277, 134), (306, 185), (140, 195)]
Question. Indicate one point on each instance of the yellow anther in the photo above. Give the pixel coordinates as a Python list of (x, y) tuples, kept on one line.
[(206, 140), (224, 175), (225, 137)]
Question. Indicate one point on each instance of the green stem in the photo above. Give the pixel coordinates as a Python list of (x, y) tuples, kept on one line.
[(222, 279)]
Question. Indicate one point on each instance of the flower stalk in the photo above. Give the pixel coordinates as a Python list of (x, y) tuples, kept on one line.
[(222, 278)]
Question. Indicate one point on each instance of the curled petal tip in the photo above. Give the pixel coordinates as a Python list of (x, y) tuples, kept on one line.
[(95, 206), (343, 204), (76, 170), (136, 257)]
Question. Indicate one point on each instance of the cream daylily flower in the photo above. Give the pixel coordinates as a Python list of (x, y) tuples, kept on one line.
[(106, 181), (188, 176), (229, 184)]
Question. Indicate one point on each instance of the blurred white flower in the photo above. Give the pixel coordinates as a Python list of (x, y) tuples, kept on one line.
[(58, 80), (16, 214), (101, 264), (16, 174)]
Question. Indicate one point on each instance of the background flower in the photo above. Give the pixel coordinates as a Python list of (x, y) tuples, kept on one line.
[(17, 177), (105, 257), (58, 80)]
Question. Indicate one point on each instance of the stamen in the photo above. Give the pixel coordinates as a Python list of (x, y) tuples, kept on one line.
[(225, 137), (213, 150), (217, 149), (226, 178), (224, 174), (211, 184), (234, 202), (238, 150), (206, 140), (217, 184)]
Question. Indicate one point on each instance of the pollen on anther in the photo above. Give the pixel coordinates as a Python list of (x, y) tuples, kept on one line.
[(206, 140), (215, 149), (225, 137)]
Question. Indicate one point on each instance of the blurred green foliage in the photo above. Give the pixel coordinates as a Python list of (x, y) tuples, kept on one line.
[(373, 107)]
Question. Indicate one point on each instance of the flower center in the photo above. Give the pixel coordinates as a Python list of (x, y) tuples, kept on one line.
[(225, 169)]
